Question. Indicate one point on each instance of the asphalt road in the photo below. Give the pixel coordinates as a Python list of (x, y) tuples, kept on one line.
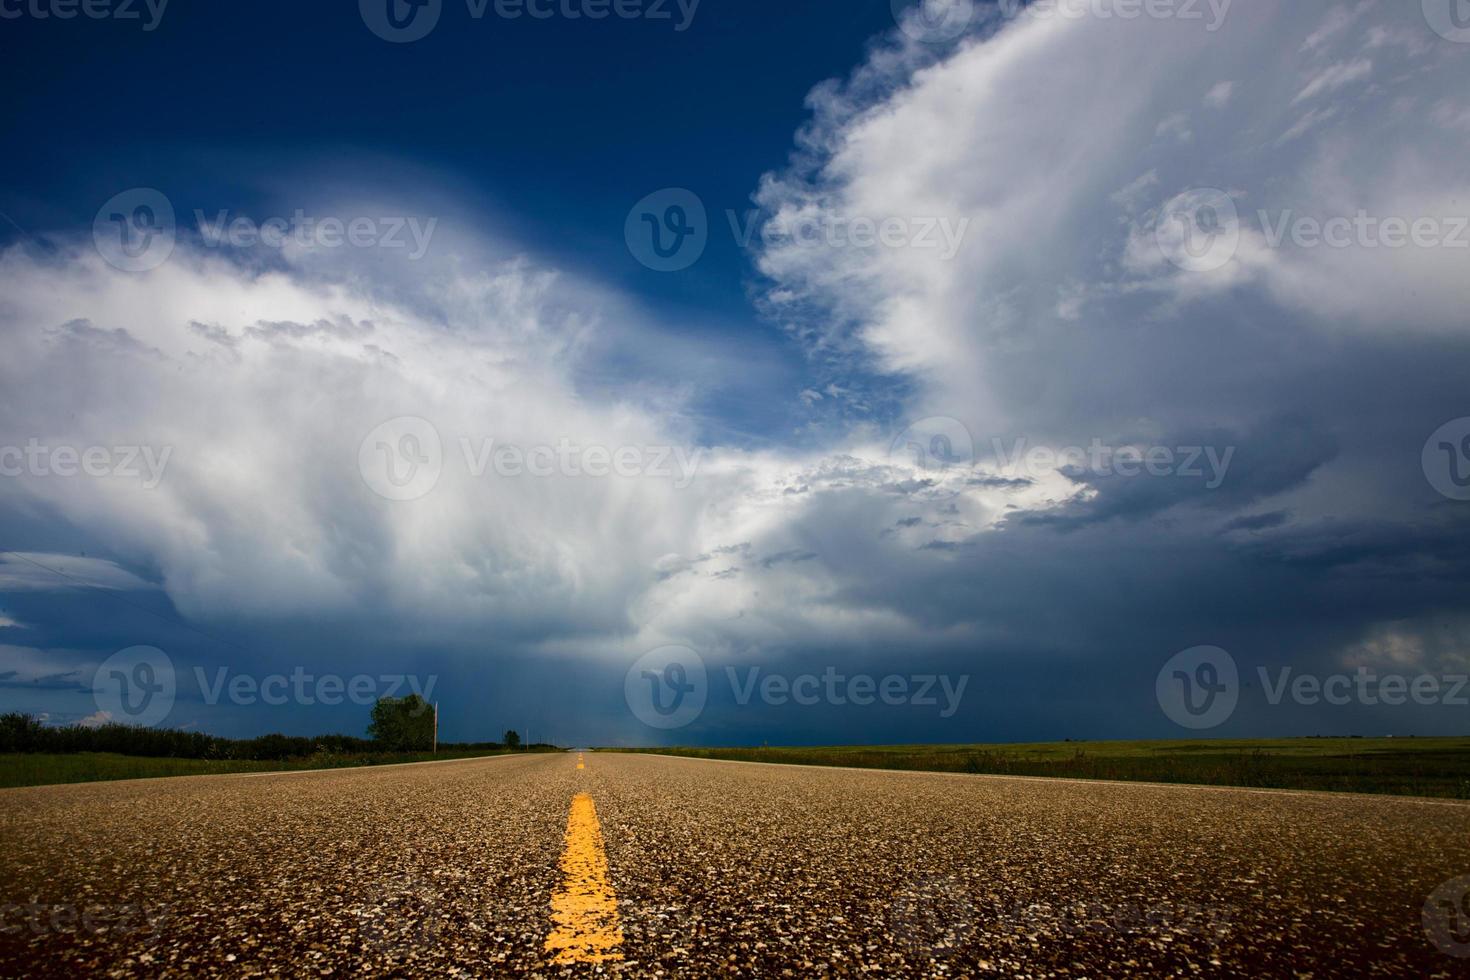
[(691, 868)]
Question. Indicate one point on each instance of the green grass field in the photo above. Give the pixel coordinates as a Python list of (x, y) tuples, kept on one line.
[(1401, 766), (41, 769)]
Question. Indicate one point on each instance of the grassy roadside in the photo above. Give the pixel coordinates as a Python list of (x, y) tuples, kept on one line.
[(40, 769), (1400, 766)]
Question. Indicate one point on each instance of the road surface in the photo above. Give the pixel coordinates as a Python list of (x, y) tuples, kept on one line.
[(643, 865)]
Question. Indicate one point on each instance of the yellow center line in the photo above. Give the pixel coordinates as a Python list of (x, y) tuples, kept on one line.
[(579, 761), (585, 907)]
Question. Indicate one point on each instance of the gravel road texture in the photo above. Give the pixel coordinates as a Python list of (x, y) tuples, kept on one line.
[(717, 868)]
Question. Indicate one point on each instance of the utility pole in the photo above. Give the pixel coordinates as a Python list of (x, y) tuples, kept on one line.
[(436, 727)]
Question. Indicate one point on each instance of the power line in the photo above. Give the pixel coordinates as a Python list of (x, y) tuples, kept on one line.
[(77, 583)]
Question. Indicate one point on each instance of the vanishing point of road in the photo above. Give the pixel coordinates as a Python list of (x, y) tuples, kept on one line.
[(605, 864)]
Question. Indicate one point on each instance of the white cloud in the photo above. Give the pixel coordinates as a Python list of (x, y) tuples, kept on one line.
[(1434, 647), (1335, 77), (1338, 20), (1451, 115), (1061, 317), (1309, 121), (266, 383), (1175, 126), (1219, 96), (1132, 196)]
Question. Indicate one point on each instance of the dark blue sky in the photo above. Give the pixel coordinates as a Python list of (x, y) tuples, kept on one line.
[(558, 125), (552, 128)]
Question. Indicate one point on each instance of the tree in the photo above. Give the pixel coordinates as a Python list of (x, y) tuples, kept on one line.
[(403, 724), (20, 733), (512, 739)]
